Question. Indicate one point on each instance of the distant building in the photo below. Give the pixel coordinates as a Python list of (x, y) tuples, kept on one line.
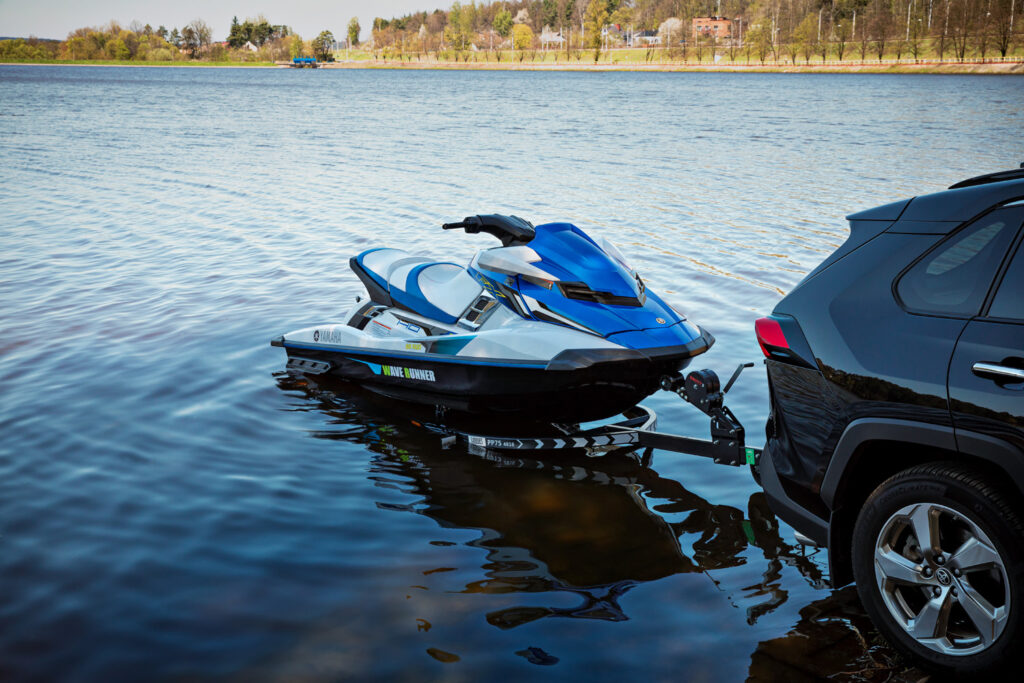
[(250, 47), (548, 38), (719, 27), (612, 31), (644, 38)]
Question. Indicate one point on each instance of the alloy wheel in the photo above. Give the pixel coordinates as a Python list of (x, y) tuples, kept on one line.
[(942, 579)]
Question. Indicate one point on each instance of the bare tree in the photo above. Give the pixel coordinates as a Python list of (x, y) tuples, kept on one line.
[(916, 29), (941, 29), (1002, 16), (962, 23), (822, 42), (864, 40), (792, 47), (881, 26), (843, 34), (983, 30)]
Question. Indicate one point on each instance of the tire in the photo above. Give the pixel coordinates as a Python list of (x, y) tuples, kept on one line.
[(954, 605)]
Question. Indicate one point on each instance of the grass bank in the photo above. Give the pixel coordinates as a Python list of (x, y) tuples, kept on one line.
[(366, 61), (705, 59)]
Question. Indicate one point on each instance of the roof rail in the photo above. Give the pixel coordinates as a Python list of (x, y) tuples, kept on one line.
[(999, 176)]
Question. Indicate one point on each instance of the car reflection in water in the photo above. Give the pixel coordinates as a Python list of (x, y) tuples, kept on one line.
[(581, 525)]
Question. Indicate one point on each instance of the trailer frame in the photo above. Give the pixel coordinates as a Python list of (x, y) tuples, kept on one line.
[(700, 388)]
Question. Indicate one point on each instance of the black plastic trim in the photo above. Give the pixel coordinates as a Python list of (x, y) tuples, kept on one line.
[(360, 318), (577, 359), (581, 291), (1002, 454), (923, 227), (864, 430), (1011, 254), (997, 177)]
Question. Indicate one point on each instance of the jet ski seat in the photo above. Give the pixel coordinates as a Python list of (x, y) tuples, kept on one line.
[(434, 289)]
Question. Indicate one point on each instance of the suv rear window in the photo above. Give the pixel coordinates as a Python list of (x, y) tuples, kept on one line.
[(954, 277)]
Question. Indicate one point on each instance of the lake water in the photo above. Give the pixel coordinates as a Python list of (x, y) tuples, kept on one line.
[(173, 505)]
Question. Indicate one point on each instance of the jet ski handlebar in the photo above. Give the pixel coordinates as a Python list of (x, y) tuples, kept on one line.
[(511, 230)]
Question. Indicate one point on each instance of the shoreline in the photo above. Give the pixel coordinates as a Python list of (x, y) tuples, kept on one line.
[(157, 65), (951, 68)]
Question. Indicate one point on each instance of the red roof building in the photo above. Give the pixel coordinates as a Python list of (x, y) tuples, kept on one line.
[(719, 27)]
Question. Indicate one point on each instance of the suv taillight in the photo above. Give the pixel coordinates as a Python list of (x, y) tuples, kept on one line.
[(781, 338), (770, 335)]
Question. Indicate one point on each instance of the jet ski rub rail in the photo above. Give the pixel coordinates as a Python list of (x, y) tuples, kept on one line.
[(701, 388)]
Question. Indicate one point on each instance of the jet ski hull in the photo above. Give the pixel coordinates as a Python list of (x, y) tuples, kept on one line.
[(575, 386)]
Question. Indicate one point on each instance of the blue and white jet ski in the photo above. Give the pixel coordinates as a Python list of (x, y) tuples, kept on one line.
[(551, 326)]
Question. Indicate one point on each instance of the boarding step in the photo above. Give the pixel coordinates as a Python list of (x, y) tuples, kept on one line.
[(308, 366)]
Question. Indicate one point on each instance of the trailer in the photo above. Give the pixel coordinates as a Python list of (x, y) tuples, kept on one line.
[(636, 430)]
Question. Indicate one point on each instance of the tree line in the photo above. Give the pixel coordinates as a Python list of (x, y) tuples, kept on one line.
[(776, 30), (254, 39), (780, 30)]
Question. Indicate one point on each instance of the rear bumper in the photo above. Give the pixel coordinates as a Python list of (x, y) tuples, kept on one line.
[(782, 504)]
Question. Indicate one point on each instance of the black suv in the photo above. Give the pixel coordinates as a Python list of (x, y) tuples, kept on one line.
[(896, 435)]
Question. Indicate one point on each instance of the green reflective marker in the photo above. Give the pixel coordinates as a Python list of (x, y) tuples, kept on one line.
[(751, 456)]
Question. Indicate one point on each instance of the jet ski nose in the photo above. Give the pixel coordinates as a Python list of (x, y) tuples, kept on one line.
[(679, 334)]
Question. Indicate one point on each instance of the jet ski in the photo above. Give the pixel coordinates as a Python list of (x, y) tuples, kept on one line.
[(552, 326)]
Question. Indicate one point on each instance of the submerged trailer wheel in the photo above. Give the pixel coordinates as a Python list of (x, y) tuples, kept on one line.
[(938, 555)]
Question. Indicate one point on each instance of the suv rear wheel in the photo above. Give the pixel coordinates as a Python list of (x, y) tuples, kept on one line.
[(938, 555)]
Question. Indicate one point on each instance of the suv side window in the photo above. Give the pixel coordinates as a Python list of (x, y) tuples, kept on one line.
[(1009, 300), (954, 277)]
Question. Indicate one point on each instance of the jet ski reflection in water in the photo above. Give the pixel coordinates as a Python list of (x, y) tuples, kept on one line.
[(566, 525), (552, 326)]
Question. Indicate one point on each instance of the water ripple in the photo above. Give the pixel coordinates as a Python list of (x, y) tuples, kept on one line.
[(173, 506)]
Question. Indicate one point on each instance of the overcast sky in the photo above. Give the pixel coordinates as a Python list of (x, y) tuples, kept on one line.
[(55, 18)]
